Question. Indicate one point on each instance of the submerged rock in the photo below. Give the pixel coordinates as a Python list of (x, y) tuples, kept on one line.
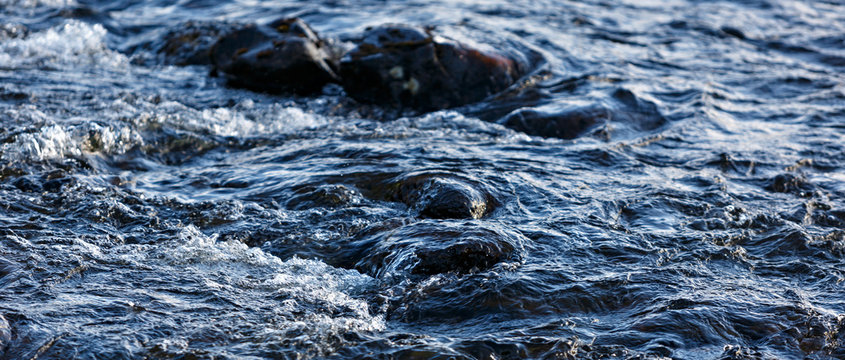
[(404, 66), (434, 247), (557, 122), (283, 56), (622, 108), (326, 196)]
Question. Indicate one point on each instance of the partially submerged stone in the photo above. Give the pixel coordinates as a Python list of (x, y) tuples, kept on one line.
[(404, 66), (558, 122), (450, 199), (283, 56), (442, 197), (622, 109)]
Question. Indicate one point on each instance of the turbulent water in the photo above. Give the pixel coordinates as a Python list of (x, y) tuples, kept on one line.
[(150, 211)]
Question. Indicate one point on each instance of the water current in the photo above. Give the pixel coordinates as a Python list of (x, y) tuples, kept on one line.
[(150, 211)]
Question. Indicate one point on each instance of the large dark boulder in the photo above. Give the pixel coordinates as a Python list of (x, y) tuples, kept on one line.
[(283, 56), (402, 66)]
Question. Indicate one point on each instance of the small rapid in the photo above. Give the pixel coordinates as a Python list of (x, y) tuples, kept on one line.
[(662, 180)]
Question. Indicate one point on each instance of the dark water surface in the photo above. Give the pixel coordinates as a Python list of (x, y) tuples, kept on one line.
[(148, 211)]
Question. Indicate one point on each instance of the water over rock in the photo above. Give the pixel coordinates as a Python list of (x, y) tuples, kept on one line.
[(440, 196), (283, 56), (622, 108), (326, 196), (403, 66), (565, 122), (432, 247)]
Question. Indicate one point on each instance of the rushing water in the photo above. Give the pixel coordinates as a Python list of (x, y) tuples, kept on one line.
[(148, 211)]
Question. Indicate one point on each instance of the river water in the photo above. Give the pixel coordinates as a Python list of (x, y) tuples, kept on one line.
[(149, 211)]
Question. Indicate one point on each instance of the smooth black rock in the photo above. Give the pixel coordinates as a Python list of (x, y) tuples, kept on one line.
[(557, 122), (402, 66), (283, 56)]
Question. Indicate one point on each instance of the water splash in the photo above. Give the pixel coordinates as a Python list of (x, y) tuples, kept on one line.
[(71, 44)]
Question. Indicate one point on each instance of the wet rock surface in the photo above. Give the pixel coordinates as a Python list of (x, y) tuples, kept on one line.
[(449, 199), (283, 56), (636, 112), (403, 66)]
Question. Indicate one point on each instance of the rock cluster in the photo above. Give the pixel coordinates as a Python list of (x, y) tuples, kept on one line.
[(391, 65)]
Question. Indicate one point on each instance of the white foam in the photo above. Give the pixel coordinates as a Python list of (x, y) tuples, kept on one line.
[(69, 45), (37, 3), (244, 120), (247, 120), (453, 124), (318, 298), (75, 138)]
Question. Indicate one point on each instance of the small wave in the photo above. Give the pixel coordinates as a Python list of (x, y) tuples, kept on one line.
[(69, 45)]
